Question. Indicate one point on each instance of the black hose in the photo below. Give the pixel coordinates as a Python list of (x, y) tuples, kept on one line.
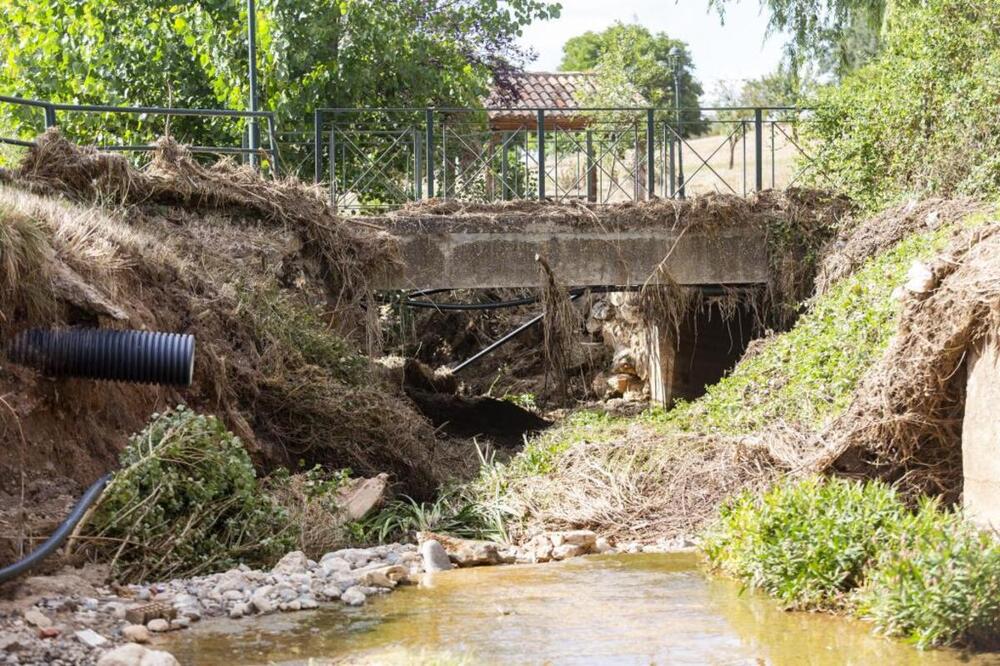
[(64, 530), (144, 357)]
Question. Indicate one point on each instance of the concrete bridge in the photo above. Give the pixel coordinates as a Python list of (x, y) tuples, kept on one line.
[(586, 247), (481, 251)]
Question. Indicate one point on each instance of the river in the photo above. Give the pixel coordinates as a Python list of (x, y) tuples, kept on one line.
[(618, 609)]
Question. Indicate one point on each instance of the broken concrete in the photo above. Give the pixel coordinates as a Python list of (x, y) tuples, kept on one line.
[(981, 438)]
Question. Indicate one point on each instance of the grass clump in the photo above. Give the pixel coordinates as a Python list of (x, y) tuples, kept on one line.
[(806, 543), (452, 512), (938, 583), (834, 544), (807, 376), (186, 502)]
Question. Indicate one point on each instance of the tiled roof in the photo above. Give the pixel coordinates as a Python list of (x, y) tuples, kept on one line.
[(548, 90)]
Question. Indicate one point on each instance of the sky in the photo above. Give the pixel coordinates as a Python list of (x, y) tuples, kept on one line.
[(731, 52)]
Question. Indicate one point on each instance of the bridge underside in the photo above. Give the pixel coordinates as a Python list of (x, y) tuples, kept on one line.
[(459, 253)]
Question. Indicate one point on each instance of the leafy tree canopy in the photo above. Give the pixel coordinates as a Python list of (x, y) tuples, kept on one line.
[(837, 35), (311, 52), (631, 61)]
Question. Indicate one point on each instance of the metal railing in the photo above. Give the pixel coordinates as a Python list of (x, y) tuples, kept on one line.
[(54, 114), (377, 158)]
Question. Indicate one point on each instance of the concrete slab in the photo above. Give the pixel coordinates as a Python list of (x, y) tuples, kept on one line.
[(439, 252), (981, 438)]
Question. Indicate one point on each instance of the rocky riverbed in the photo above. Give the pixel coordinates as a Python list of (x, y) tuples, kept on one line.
[(120, 626)]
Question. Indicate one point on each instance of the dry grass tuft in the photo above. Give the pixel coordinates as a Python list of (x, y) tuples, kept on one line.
[(25, 280)]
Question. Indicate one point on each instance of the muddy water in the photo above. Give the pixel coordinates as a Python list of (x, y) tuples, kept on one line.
[(624, 609)]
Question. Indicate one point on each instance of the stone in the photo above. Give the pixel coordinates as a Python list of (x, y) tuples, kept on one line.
[(135, 633), (294, 562), (261, 603), (584, 538), (353, 596), (466, 552), (919, 279), (360, 497), (10, 643), (133, 654), (234, 579), (434, 556), (308, 603), (602, 545), (330, 592), (568, 550), (126, 655), (90, 638), (158, 625), (334, 564), (37, 619), (387, 577), (180, 623), (49, 632)]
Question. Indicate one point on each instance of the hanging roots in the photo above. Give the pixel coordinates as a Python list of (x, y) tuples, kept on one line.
[(560, 327)]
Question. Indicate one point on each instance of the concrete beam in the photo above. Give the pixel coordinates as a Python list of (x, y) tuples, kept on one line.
[(459, 253), (981, 438)]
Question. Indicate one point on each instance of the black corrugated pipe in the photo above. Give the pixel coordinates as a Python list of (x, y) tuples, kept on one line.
[(144, 357), (63, 531)]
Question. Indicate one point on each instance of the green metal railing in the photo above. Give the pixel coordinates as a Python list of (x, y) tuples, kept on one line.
[(375, 158), (54, 113)]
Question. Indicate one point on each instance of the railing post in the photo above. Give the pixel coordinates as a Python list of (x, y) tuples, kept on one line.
[(272, 138), (672, 176), (591, 169), (317, 145), (681, 185), (650, 155), (758, 130), (333, 166), (505, 189), (418, 167), (540, 119), (50, 116), (429, 122)]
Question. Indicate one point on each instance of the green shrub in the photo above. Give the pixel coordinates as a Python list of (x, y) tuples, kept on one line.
[(806, 542), (926, 575), (921, 117), (186, 502), (938, 584)]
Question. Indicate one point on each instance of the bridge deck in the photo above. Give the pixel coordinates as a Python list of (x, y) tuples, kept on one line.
[(482, 251)]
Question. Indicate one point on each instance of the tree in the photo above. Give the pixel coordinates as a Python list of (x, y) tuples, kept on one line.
[(785, 86), (631, 61), (837, 35), (311, 52)]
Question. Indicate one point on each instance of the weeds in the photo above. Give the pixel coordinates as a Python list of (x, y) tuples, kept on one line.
[(186, 502), (926, 575), (449, 513)]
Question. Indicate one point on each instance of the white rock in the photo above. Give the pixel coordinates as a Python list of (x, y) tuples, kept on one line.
[(180, 623), (158, 625), (308, 603), (294, 562), (158, 658), (90, 638), (261, 603), (919, 279), (353, 596), (434, 557), (334, 564), (37, 619), (136, 633), (126, 655), (602, 545), (331, 592)]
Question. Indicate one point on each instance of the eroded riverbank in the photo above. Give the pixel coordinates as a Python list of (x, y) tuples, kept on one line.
[(619, 609)]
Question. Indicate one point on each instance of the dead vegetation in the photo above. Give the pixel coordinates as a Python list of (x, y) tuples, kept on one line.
[(264, 275)]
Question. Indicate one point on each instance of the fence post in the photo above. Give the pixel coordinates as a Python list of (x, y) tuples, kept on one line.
[(429, 122), (418, 167), (317, 143), (758, 131), (650, 155), (333, 166), (540, 119), (591, 169), (504, 174), (272, 137), (50, 116), (671, 176)]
